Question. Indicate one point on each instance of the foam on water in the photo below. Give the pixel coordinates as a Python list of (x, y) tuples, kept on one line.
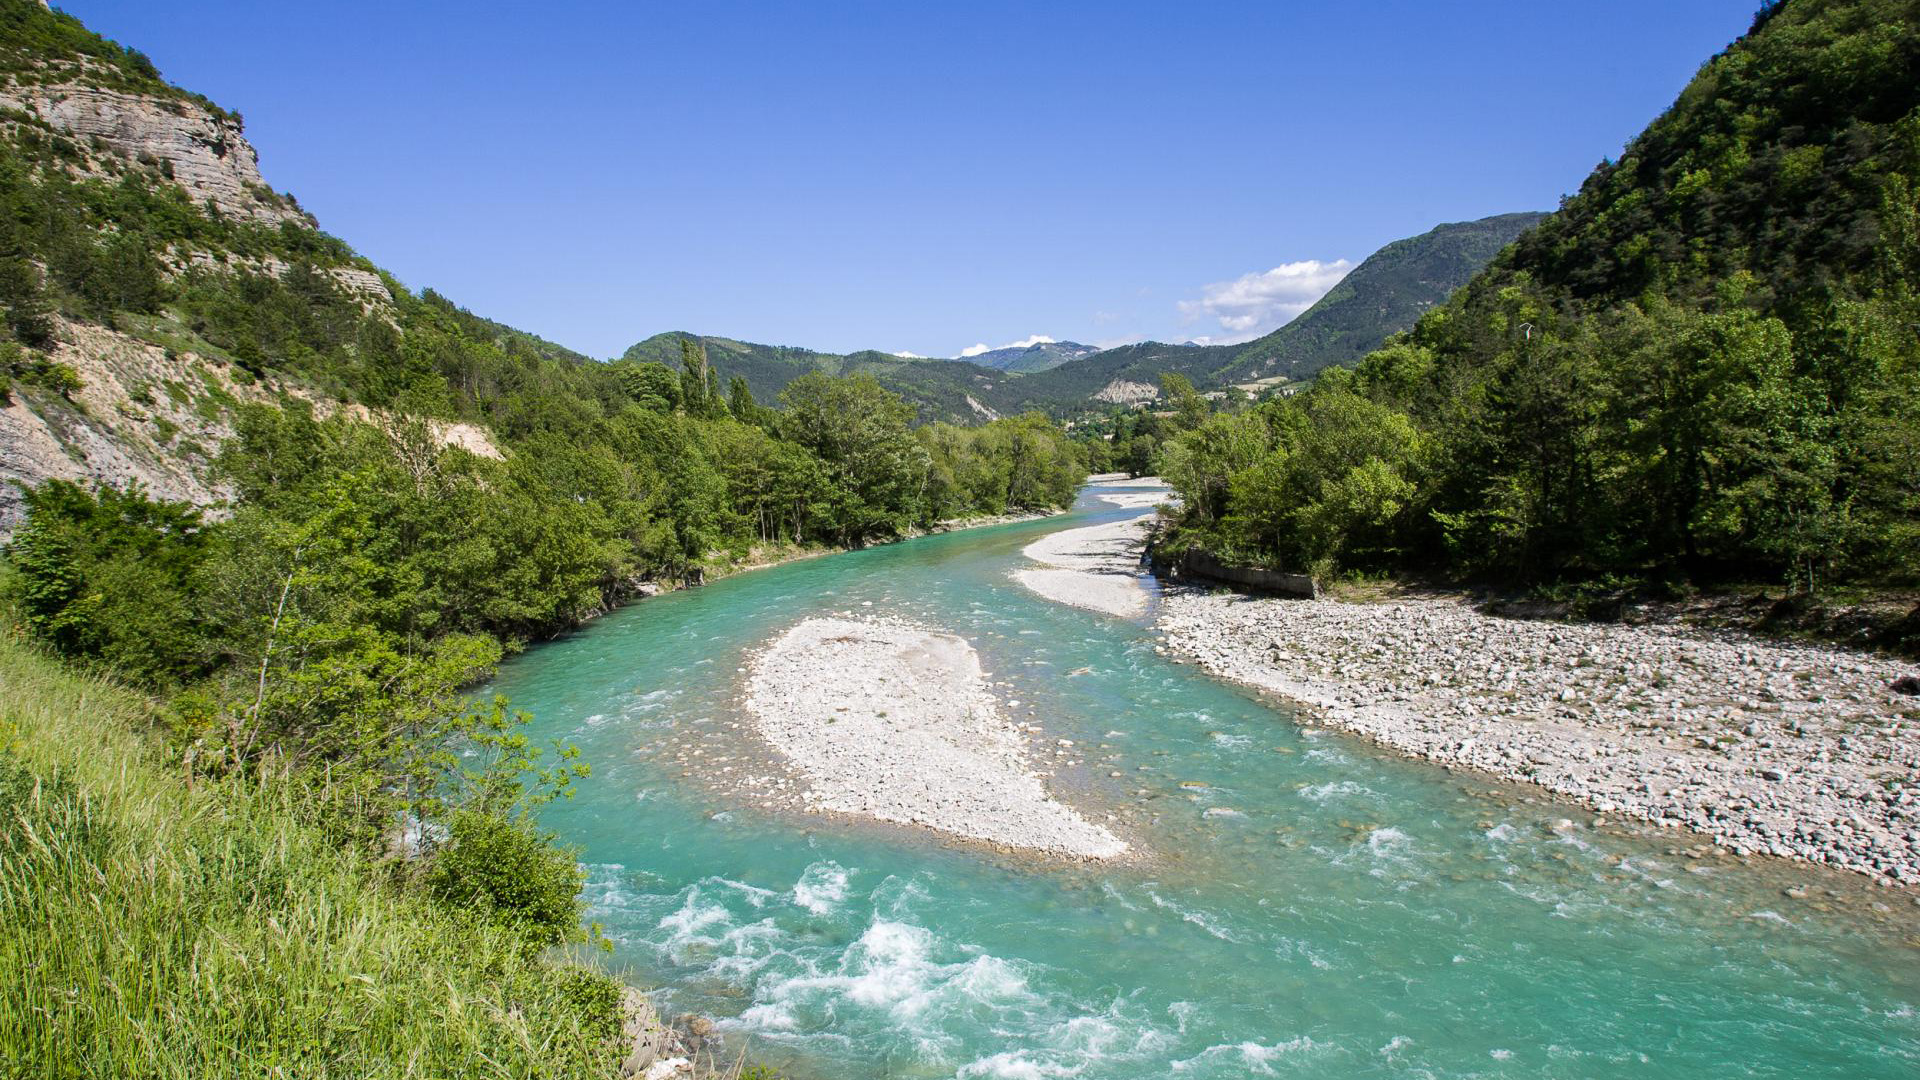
[(1197, 918), (604, 890), (684, 926), (1083, 1045), (821, 888), (1249, 1057), (898, 976), (1337, 789), (1291, 948)]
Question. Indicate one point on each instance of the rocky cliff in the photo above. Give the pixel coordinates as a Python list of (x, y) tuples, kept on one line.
[(139, 416), (205, 154), (142, 398)]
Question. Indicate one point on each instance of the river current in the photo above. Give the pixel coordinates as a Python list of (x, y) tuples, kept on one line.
[(1308, 905)]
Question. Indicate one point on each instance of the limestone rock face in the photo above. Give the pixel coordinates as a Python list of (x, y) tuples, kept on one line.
[(206, 154), (1125, 392), (139, 417)]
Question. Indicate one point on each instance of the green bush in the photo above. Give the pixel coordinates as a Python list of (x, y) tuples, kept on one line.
[(110, 575), (510, 874)]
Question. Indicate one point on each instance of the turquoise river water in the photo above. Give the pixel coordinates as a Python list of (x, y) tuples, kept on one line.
[(1341, 912)]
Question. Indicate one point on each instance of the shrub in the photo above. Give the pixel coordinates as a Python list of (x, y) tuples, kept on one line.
[(510, 873)]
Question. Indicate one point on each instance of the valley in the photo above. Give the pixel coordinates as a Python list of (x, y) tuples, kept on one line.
[(1490, 656)]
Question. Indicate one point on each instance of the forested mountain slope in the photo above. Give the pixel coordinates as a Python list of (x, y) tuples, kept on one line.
[(1382, 296), (957, 391), (1702, 367), (1125, 375), (948, 390), (1039, 356)]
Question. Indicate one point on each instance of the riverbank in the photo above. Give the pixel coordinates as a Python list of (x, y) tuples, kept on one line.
[(1098, 567), (896, 723), (768, 556), (1794, 750), (1790, 750)]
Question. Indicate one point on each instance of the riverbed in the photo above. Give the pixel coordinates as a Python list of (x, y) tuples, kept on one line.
[(1303, 903)]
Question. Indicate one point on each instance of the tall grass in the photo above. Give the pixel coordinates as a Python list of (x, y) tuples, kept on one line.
[(150, 930)]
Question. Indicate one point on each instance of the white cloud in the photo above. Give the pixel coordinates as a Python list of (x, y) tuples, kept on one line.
[(909, 355), (1024, 343), (1255, 303)]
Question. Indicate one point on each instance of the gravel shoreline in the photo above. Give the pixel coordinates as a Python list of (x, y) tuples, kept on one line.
[(896, 723), (1790, 750), (1096, 567), (1775, 748)]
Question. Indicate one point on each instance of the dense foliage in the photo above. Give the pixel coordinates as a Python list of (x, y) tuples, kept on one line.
[(1703, 367)]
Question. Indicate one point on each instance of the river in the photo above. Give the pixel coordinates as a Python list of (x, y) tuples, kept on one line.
[(1308, 906)]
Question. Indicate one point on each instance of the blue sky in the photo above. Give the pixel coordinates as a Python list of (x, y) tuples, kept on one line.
[(915, 176)]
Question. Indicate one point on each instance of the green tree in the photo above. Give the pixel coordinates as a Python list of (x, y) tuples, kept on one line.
[(858, 429), (112, 575), (651, 386), (1189, 408)]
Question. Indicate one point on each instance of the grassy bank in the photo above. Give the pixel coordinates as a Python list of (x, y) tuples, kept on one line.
[(151, 930)]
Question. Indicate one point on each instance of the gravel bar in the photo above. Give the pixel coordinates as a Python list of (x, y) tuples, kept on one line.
[(895, 722)]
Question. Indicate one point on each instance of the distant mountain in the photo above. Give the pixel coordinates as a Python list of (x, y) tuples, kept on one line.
[(1040, 357), (952, 390), (1384, 295)]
